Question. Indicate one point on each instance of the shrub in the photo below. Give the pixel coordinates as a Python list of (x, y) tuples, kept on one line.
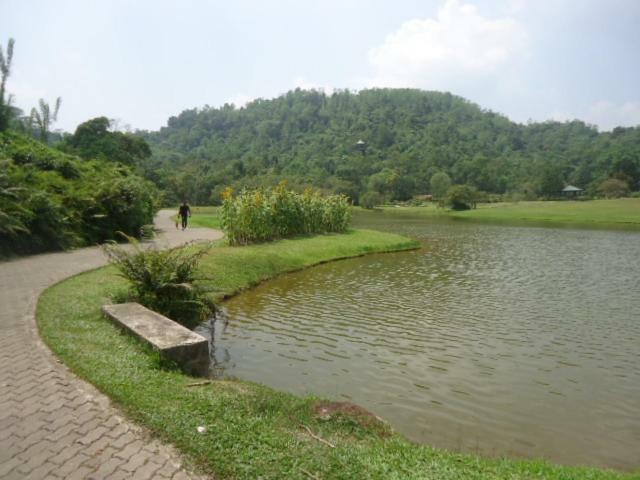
[(266, 214), (51, 200), (614, 188), (370, 199), (462, 197), (164, 280), (440, 184), (123, 204), (47, 223)]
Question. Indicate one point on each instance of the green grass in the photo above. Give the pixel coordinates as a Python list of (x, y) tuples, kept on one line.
[(252, 430), (208, 217), (618, 213), (231, 269), (203, 217)]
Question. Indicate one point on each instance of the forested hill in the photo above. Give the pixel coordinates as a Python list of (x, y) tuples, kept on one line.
[(310, 138)]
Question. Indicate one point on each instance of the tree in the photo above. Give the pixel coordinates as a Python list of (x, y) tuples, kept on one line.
[(93, 139), (5, 100), (370, 199), (44, 119), (550, 181), (384, 181), (440, 183), (613, 188), (462, 197), (310, 138)]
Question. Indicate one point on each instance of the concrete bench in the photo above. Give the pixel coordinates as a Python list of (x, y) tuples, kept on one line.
[(172, 340)]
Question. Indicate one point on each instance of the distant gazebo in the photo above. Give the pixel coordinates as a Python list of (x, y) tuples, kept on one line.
[(570, 191)]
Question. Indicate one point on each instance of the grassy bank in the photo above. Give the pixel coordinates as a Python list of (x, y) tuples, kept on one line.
[(623, 213), (231, 269), (252, 431), (618, 213), (205, 217)]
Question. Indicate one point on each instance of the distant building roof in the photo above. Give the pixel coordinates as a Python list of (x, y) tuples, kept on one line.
[(571, 188)]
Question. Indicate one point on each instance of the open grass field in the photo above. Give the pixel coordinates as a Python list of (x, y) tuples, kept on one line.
[(619, 213), (253, 431), (203, 217), (622, 213)]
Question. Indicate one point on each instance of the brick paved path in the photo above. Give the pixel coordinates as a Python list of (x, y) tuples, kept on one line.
[(52, 424)]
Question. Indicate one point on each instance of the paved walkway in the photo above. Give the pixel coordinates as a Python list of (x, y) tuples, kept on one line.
[(52, 424)]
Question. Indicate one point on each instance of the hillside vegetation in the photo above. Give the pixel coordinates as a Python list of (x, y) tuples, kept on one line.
[(52, 200), (310, 139)]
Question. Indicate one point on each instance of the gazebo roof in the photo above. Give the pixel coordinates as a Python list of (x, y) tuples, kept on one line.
[(571, 188)]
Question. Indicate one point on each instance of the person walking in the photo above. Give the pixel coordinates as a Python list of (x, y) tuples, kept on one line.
[(184, 212)]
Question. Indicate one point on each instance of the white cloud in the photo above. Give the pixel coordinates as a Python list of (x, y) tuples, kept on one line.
[(517, 6), (457, 45)]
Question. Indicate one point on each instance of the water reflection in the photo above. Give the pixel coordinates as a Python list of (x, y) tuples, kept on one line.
[(507, 341)]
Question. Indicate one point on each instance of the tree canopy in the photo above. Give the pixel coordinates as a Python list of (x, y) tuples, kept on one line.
[(94, 139), (310, 139), (5, 71)]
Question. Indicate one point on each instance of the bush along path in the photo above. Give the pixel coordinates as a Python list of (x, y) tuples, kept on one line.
[(52, 424)]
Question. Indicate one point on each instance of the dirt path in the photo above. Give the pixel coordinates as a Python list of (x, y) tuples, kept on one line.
[(52, 424)]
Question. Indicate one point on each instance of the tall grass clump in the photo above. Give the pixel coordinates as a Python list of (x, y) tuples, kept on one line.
[(163, 280), (266, 214)]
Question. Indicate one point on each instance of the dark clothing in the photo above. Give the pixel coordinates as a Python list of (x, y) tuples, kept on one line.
[(185, 213)]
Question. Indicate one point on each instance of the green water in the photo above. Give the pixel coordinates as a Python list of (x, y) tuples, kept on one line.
[(495, 340)]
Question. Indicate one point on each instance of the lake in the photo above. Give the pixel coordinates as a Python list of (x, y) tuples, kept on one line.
[(516, 341)]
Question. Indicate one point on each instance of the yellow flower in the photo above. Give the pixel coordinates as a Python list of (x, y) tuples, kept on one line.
[(227, 193)]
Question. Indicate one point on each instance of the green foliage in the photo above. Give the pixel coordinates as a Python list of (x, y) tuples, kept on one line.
[(550, 181), (265, 214), (613, 188), (12, 214), (309, 139), (51, 200), (5, 71), (43, 118), (371, 199), (164, 280), (125, 203), (463, 197), (93, 139), (440, 183)]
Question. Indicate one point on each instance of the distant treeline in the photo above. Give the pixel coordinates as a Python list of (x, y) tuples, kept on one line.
[(311, 139)]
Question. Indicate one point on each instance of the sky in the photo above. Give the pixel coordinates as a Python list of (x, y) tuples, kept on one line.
[(142, 61)]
